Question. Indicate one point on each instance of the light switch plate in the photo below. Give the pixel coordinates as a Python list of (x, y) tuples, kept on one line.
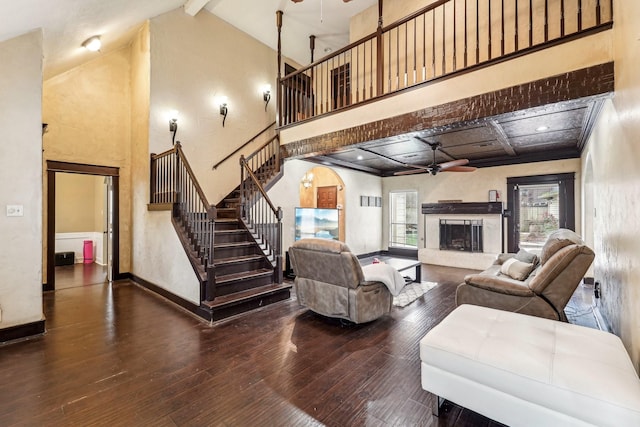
[(15, 210)]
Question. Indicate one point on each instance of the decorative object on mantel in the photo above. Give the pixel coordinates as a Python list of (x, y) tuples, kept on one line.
[(458, 165), (494, 196), (412, 292)]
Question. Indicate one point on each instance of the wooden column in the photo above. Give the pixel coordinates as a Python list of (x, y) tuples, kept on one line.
[(380, 53), (279, 88)]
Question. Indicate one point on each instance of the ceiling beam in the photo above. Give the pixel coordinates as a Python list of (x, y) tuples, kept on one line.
[(192, 7), (326, 161), (501, 136)]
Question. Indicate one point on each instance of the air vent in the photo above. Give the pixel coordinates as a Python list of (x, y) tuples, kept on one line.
[(408, 156), (485, 144)]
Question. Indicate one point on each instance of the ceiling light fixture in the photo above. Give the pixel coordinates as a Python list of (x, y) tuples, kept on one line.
[(92, 43), (541, 128), (307, 180)]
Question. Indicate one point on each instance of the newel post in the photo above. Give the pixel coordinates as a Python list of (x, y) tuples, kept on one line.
[(279, 88), (380, 53)]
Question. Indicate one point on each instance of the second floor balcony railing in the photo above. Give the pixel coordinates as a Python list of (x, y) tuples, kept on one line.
[(444, 38)]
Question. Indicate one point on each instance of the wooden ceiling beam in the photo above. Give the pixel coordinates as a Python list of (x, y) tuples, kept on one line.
[(501, 137), (192, 7)]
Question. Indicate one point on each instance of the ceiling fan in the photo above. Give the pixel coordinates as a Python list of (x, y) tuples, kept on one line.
[(452, 166)]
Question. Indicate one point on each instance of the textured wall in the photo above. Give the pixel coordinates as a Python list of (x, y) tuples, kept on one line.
[(79, 203), (612, 155), (88, 112), (20, 173)]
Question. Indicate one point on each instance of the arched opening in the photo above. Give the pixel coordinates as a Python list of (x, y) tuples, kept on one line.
[(322, 187)]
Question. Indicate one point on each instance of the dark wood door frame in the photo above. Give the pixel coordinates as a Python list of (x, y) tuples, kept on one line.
[(566, 183), (54, 167)]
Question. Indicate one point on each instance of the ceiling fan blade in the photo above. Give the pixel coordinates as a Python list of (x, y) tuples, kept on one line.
[(411, 172), (459, 169), (453, 163)]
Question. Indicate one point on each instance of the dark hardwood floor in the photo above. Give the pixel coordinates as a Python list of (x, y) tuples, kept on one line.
[(80, 274), (118, 355)]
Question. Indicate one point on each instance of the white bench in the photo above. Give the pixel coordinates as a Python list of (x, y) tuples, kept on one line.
[(527, 371)]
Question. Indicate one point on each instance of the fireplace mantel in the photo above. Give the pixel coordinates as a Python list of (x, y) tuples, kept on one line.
[(478, 208)]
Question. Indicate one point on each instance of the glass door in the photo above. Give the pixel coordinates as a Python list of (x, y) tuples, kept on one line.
[(537, 206)]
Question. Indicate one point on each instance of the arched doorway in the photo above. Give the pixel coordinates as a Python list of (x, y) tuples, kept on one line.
[(322, 187)]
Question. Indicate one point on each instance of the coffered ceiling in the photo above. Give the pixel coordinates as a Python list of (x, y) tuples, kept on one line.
[(551, 132)]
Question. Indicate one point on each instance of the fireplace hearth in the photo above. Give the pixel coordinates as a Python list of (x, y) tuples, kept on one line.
[(461, 235)]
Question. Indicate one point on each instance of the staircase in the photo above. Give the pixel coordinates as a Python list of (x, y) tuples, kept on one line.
[(235, 246)]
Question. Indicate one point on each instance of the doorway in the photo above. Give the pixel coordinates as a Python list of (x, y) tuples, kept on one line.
[(95, 252), (538, 205)]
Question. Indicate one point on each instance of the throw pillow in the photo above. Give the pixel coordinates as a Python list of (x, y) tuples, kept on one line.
[(515, 269), (526, 256)]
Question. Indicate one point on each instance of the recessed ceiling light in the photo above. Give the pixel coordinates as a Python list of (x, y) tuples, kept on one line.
[(541, 128), (359, 157), (92, 43)]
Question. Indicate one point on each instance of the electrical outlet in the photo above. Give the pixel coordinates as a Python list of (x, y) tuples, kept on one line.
[(15, 210), (596, 289)]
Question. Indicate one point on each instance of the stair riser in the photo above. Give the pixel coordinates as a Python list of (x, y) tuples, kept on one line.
[(227, 226), (240, 267), (227, 213), (220, 253), (242, 285), (252, 304), (233, 237)]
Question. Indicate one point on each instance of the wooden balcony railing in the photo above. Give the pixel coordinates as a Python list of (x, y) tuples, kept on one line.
[(444, 38)]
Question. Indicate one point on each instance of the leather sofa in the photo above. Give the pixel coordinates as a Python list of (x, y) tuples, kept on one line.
[(329, 281), (544, 292)]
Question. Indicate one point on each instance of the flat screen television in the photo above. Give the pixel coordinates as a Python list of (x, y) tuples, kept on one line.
[(319, 223)]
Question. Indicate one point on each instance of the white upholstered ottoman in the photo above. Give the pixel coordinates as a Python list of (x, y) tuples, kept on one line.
[(527, 371)]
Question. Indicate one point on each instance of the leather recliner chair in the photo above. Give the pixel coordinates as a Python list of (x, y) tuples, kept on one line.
[(329, 281), (564, 260)]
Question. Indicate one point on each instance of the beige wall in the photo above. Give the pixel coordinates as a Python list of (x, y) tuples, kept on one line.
[(88, 112), (612, 156), (195, 60), (79, 203), (158, 256), (20, 173)]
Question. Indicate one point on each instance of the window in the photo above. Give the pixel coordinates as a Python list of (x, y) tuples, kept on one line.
[(403, 228)]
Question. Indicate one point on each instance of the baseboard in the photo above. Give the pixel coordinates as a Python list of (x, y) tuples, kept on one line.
[(20, 332), (123, 276), (187, 305)]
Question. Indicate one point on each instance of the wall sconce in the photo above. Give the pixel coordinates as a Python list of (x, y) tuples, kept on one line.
[(307, 180), (266, 95), (92, 43), (224, 109), (173, 124)]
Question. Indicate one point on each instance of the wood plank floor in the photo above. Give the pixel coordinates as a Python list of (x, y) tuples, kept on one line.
[(118, 355)]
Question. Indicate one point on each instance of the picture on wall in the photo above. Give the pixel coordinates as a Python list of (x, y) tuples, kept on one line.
[(319, 223)]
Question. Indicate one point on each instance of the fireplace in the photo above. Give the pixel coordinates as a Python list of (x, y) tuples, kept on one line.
[(461, 235)]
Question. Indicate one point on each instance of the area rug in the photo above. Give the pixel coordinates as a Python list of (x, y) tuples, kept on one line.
[(412, 292)]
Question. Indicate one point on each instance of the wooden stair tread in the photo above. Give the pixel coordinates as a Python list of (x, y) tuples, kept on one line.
[(220, 280), (232, 245), (235, 231), (239, 297), (237, 259)]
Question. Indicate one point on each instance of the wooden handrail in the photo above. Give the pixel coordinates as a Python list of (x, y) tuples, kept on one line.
[(196, 184), (244, 145), (255, 179), (250, 156), (164, 153)]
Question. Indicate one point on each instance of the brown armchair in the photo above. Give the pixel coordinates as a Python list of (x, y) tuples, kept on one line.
[(544, 292), (329, 281)]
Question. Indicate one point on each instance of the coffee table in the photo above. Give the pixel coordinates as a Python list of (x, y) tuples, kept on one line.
[(402, 265)]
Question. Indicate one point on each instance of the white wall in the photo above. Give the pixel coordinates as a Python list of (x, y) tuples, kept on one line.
[(20, 178), (612, 155)]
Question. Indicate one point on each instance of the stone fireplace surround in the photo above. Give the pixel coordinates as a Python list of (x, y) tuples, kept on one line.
[(491, 216)]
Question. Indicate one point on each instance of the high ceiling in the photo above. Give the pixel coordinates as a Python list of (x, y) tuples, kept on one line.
[(67, 23), (552, 132)]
